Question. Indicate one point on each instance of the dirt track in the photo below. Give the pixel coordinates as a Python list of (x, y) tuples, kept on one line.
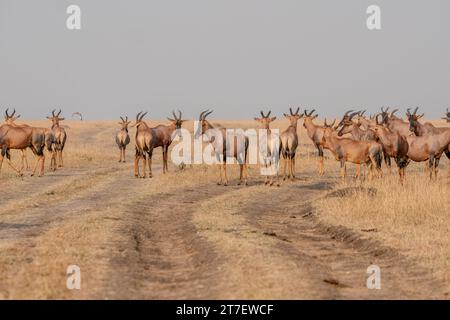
[(166, 238)]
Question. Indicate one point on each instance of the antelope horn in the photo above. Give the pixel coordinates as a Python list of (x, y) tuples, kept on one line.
[(174, 115), (361, 113), (137, 116), (290, 110), (59, 113), (346, 113), (208, 113), (297, 111), (6, 112), (142, 116), (415, 110), (203, 114), (393, 111), (331, 125), (268, 114), (325, 122), (179, 114), (53, 112), (14, 112), (262, 114), (408, 113), (353, 114), (126, 118), (312, 111), (122, 119)]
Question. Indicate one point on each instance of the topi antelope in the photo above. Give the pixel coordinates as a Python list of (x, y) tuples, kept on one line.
[(60, 138), (149, 138), (349, 150), (427, 128), (123, 138), (10, 119), (269, 146), (394, 123), (289, 143), (348, 126), (225, 145), (315, 133), (22, 137), (394, 145)]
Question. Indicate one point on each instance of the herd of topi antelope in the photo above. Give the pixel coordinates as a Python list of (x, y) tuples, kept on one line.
[(369, 141), (21, 137)]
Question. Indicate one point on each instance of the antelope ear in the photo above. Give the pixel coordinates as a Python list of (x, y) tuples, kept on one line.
[(49, 118), (120, 123), (273, 118), (315, 116), (284, 114), (257, 119), (170, 119), (61, 119)]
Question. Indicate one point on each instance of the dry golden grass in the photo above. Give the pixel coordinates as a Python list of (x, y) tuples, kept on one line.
[(413, 218)]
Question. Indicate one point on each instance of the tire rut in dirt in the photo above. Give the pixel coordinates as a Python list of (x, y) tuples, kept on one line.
[(163, 256), (337, 257)]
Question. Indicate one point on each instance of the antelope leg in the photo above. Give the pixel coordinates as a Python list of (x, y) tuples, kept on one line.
[(136, 165), (150, 174), (220, 174), (225, 173)]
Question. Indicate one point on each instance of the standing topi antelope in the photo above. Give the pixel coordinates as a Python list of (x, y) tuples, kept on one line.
[(269, 147), (60, 137), (315, 133), (427, 129), (349, 150), (289, 143), (225, 145), (394, 145), (148, 139), (10, 120), (123, 138), (22, 137)]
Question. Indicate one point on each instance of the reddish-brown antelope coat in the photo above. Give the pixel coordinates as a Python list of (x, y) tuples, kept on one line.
[(315, 133), (349, 150), (427, 129), (20, 138), (123, 138), (225, 146), (289, 143), (394, 145), (148, 139), (60, 138), (269, 146), (10, 119)]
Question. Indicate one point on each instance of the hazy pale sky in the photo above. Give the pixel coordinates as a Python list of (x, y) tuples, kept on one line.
[(235, 56)]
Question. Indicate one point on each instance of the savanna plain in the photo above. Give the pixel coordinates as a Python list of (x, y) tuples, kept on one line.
[(179, 235)]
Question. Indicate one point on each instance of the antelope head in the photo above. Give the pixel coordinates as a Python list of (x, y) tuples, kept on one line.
[(347, 117), (328, 132), (204, 124), (265, 120), (293, 116), (385, 116), (124, 123), (10, 118), (412, 119), (55, 119), (346, 123), (139, 122), (177, 122), (309, 116)]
